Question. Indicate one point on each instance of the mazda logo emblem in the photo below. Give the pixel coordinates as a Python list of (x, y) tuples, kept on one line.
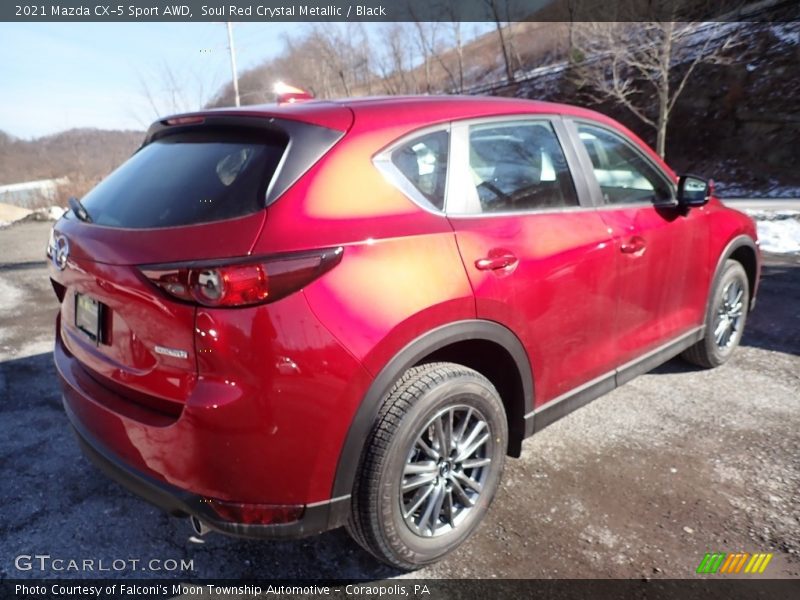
[(60, 252)]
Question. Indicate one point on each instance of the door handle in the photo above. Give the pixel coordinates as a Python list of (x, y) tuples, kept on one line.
[(493, 263), (635, 245)]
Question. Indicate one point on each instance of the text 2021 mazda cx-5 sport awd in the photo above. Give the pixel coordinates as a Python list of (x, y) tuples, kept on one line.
[(282, 319)]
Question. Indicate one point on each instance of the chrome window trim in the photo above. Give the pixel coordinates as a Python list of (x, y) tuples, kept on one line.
[(458, 165), (536, 211), (572, 123), (565, 209), (382, 161)]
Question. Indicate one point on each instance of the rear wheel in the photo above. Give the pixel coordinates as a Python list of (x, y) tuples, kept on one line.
[(725, 318), (431, 466)]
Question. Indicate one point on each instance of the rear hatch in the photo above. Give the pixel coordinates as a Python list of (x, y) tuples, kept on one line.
[(196, 191)]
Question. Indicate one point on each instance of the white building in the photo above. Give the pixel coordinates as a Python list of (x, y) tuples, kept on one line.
[(28, 193)]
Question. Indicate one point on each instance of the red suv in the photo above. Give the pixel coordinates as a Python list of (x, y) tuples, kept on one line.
[(282, 319)]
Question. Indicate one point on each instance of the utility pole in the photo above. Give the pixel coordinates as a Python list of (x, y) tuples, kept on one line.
[(233, 63)]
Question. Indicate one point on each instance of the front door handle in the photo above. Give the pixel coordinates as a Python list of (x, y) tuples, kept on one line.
[(635, 245), (493, 263)]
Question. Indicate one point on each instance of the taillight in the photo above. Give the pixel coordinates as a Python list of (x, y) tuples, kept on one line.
[(242, 282)]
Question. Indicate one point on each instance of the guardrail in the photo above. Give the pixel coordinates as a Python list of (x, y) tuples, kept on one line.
[(763, 203)]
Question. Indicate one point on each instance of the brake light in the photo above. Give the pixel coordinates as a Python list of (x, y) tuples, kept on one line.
[(242, 282), (185, 121)]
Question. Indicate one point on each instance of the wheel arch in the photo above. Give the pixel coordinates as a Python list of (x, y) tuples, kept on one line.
[(485, 346), (743, 250)]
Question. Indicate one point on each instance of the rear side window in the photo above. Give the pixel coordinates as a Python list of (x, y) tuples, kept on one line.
[(423, 161), (189, 178)]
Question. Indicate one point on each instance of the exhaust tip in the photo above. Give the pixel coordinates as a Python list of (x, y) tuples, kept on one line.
[(198, 526)]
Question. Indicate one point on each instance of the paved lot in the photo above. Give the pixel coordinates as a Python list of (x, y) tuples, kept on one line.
[(640, 483)]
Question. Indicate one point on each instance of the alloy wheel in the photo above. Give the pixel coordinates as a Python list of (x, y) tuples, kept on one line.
[(445, 470), (727, 323)]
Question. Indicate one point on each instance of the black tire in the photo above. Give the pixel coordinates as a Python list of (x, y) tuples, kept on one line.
[(452, 395), (711, 352)]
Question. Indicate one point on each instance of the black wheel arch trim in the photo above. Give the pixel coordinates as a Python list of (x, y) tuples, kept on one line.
[(411, 354), (732, 246)]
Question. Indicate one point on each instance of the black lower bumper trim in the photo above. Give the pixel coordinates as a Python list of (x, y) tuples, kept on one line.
[(317, 517)]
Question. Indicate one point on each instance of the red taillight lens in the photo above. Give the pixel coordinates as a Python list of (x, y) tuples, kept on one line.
[(257, 514), (235, 285), (243, 283)]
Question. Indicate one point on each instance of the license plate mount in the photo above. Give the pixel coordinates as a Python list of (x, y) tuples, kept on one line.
[(89, 316)]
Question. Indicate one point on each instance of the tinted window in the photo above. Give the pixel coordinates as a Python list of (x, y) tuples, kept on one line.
[(624, 175), (517, 166), (423, 161), (188, 178)]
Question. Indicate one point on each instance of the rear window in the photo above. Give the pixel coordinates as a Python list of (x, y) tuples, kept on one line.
[(188, 178)]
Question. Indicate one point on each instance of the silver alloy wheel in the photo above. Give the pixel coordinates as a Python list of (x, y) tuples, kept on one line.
[(727, 323), (445, 470)]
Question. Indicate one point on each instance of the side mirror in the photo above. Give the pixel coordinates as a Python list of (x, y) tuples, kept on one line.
[(694, 191)]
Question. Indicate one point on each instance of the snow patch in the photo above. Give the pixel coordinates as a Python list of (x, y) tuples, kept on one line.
[(781, 237), (10, 295), (788, 33), (778, 231), (42, 345), (10, 214), (53, 213)]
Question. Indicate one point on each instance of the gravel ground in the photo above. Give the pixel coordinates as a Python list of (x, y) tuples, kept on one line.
[(640, 483)]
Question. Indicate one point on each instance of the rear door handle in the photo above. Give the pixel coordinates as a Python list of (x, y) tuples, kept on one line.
[(635, 245), (493, 263)]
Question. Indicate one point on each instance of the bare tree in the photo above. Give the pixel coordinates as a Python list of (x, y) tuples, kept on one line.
[(396, 61), (499, 17), (453, 45), (435, 50), (332, 46), (426, 44), (329, 61), (362, 63), (168, 91), (633, 64), (459, 48)]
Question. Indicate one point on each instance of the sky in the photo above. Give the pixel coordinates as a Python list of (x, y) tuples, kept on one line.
[(56, 76)]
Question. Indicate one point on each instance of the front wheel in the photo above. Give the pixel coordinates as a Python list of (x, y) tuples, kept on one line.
[(725, 318), (431, 466)]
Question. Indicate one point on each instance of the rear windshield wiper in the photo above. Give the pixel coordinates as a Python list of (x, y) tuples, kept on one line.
[(79, 210)]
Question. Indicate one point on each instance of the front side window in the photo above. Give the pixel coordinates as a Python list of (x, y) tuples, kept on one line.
[(516, 166), (423, 161), (624, 175)]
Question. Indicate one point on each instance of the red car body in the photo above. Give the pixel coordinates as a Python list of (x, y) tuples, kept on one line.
[(257, 428)]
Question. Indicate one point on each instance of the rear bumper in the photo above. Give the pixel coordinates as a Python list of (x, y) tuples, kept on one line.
[(316, 518), (239, 456)]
